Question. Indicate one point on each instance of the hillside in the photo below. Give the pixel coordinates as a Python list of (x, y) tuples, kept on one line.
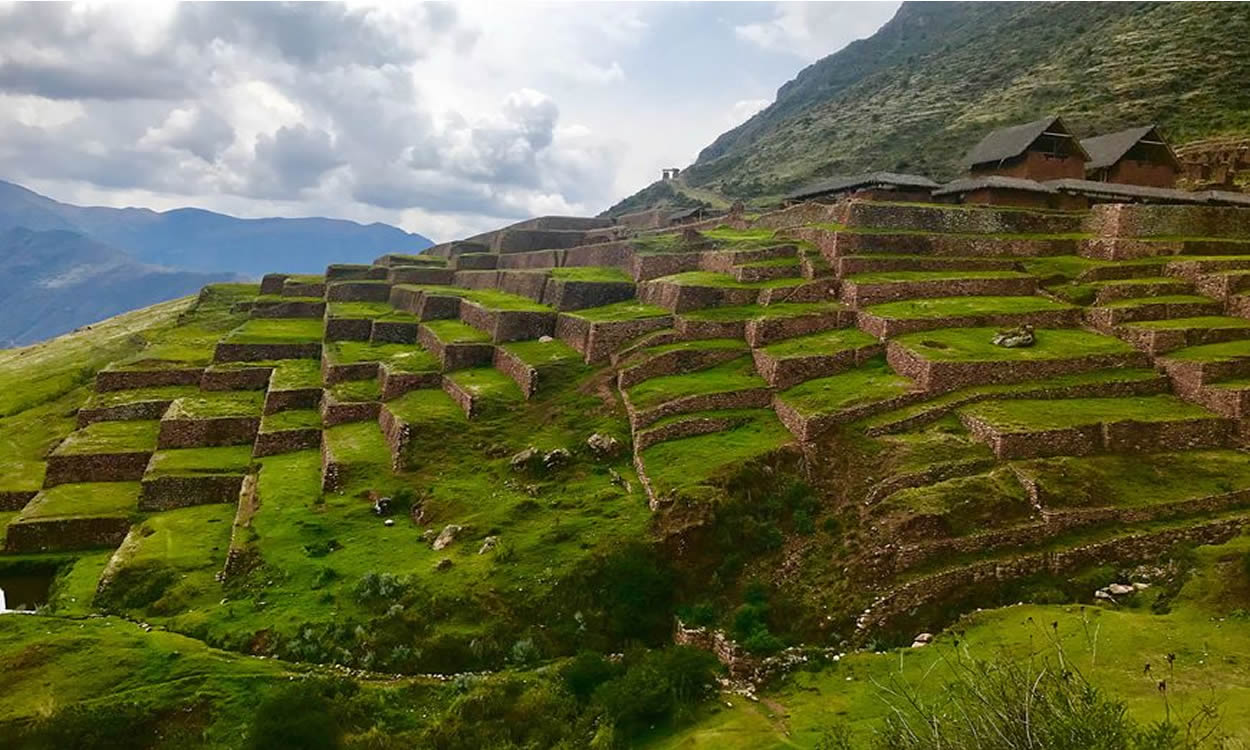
[(930, 83), (196, 240), (54, 281), (559, 497)]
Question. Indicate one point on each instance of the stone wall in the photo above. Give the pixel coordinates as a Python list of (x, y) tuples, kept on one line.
[(1147, 220), (782, 373), (462, 396), (563, 294), (95, 467), (285, 441), (523, 283), (271, 283), (166, 493), (685, 297), (765, 331), (358, 291), (862, 294), (647, 267), (617, 254), (746, 398), (1122, 436), (674, 362), (477, 261), (797, 215), (395, 383), (937, 376), (333, 373), (1156, 341), (348, 329), (16, 499), (685, 428), (455, 356), (420, 275), (525, 376), (532, 260), (292, 288), (951, 220), (236, 379), (63, 534), (124, 380), (228, 352), (293, 308), (526, 240), (508, 325), (205, 433), (1107, 318), (355, 272), (341, 412), (882, 327), (124, 412), (808, 427), (833, 244), (393, 332)]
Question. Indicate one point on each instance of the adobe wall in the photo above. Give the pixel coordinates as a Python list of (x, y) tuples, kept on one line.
[(937, 376), (124, 412), (358, 291), (596, 341), (507, 325), (271, 283), (782, 373), (420, 275), (563, 294), (205, 433), (285, 441), (1036, 165), (348, 329), (883, 327), (1147, 220), (675, 362), (341, 412), (293, 308), (124, 380), (167, 493), (746, 398), (96, 467), (1148, 173), (394, 383), (942, 220), (393, 332), (236, 379), (227, 352), (63, 534)]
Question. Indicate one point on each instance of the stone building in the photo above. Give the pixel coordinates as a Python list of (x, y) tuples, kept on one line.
[(877, 186), (1137, 156), (1040, 150)]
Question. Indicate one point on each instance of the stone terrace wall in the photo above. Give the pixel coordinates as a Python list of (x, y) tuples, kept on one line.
[(1144, 220), (938, 376), (203, 433), (59, 534), (236, 379), (227, 352), (674, 362), (525, 376), (508, 325), (523, 283), (286, 441), (124, 412), (124, 380), (797, 215), (891, 327), (956, 220), (598, 340), (358, 291), (532, 260), (96, 467), (746, 398), (166, 493), (563, 295)]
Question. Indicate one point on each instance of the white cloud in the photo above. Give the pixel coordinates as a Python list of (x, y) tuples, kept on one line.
[(806, 29), (744, 109)]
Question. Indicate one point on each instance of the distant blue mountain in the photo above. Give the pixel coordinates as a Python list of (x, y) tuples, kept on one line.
[(198, 240)]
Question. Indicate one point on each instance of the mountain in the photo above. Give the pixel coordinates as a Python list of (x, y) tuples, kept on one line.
[(198, 240), (56, 280), (922, 90)]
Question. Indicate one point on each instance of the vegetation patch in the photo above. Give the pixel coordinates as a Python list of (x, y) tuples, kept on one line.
[(974, 345), (947, 307), (456, 332), (111, 437), (873, 381), (86, 499), (276, 331), (617, 311), (1026, 415), (233, 459), (591, 273), (538, 353), (824, 342), (737, 374), (217, 404), (292, 419), (777, 310), (714, 279)]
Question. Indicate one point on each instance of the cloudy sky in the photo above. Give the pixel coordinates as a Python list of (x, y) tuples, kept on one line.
[(443, 119)]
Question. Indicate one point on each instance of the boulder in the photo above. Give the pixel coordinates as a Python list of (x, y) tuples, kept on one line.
[(921, 640), (447, 536), (524, 459), (488, 544), (1120, 589), (443, 564), (556, 458), (603, 446)]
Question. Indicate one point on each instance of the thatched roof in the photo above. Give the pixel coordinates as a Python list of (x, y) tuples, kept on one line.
[(1105, 150), (967, 185), (1008, 143), (860, 181)]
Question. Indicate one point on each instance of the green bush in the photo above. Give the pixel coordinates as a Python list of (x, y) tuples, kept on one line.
[(586, 672), (295, 717), (656, 686)]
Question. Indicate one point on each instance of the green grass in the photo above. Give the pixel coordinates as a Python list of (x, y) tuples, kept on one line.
[(87, 499), (1025, 415), (292, 419), (973, 345), (487, 383), (824, 342), (1171, 299), (627, 310), (887, 277), (871, 382), (539, 353), (368, 310), (296, 374), (1133, 480), (493, 299), (731, 236), (968, 504), (439, 290), (773, 263), (694, 345), (684, 463), (111, 437), (760, 312), (738, 374), (356, 391), (1224, 352), (276, 331), (944, 307), (430, 411), (234, 459), (713, 279), (139, 395), (1216, 322), (737, 416), (356, 442), (456, 332), (591, 273), (401, 357), (210, 405)]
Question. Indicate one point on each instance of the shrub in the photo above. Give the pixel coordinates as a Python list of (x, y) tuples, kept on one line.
[(586, 672), (296, 716), (657, 686)]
